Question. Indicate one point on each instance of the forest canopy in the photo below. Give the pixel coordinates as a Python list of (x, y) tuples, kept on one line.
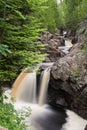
[(23, 22)]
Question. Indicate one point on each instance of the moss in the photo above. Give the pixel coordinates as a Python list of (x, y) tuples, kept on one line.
[(75, 73)]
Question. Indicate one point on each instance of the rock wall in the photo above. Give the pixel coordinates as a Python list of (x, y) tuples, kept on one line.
[(68, 84), (52, 41)]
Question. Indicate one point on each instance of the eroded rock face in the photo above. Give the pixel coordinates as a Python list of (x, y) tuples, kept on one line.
[(69, 74), (71, 70), (71, 67), (82, 31), (52, 41), (68, 83)]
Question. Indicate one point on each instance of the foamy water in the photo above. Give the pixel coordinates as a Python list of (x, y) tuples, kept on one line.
[(40, 116), (67, 46), (45, 117)]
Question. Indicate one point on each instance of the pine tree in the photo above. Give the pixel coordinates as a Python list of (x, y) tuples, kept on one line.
[(71, 14), (82, 8), (51, 16), (20, 31)]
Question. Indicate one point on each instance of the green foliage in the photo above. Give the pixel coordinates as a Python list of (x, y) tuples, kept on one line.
[(10, 118), (51, 19), (21, 28), (82, 8), (22, 23), (4, 50), (72, 12)]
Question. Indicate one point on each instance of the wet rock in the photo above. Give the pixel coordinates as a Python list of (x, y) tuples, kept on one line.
[(53, 41), (45, 65), (58, 96), (74, 40), (46, 37), (86, 127)]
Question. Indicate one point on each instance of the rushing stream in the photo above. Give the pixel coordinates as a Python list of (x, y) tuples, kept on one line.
[(43, 116), (65, 49)]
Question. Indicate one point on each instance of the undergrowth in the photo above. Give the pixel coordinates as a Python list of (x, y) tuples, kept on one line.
[(10, 118)]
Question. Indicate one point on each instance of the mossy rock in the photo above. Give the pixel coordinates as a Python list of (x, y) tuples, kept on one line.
[(75, 73)]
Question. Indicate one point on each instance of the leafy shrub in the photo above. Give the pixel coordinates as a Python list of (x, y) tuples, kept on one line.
[(10, 118)]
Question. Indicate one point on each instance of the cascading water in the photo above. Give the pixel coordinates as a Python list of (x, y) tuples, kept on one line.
[(43, 117), (44, 86), (28, 92), (67, 46), (18, 84), (24, 88)]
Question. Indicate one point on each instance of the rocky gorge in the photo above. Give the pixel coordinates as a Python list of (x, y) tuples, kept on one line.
[(68, 78), (68, 83)]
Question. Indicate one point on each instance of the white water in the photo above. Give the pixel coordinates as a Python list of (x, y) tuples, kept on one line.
[(42, 116), (74, 122), (67, 46), (44, 86), (46, 65), (27, 96)]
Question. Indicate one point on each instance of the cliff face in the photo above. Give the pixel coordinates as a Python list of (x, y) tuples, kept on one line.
[(69, 76), (52, 42)]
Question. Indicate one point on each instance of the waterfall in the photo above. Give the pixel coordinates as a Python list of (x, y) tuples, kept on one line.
[(17, 85), (28, 92), (24, 88), (43, 116), (68, 43), (44, 85)]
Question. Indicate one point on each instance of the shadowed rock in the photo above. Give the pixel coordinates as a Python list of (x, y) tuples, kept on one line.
[(70, 74)]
